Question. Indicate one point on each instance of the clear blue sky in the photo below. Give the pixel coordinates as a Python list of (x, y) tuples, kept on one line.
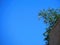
[(19, 21)]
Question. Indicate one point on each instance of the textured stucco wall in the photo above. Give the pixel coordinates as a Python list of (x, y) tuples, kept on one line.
[(54, 38)]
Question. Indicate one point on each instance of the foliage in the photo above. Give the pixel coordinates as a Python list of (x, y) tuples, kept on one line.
[(50, 17)]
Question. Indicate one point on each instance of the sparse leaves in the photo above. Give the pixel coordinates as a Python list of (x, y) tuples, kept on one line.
[(50, 17)]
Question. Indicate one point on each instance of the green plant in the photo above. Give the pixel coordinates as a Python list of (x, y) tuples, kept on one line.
[(50, 17)]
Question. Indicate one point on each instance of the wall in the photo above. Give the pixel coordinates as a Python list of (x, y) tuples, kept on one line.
[(54, 36)]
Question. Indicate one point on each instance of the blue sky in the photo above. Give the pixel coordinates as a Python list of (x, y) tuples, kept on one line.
[(19, 21)]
